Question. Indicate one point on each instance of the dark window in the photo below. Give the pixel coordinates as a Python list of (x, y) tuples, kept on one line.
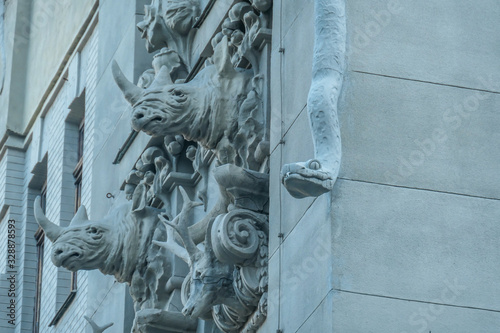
[(77, 173), (40, 241)]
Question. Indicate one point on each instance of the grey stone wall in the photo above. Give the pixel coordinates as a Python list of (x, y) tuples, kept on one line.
[(406, 242)]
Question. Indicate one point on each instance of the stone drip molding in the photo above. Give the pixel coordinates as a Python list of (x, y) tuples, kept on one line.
[(317, 176)]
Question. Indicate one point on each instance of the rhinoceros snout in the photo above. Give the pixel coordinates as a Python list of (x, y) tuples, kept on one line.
[(139, 120), (142, 120), (63, 255)]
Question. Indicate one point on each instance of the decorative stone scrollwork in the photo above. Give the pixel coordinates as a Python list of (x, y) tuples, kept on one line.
[(235, 238), (156, 173), (240, 237), (247, 32), (218, 113), (228, 278)]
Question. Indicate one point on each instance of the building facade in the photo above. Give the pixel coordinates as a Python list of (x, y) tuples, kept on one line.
[(344, 155)]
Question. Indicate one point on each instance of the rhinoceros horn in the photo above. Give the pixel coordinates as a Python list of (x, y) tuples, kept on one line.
[(80, 216), (131, 92), (52, 230)]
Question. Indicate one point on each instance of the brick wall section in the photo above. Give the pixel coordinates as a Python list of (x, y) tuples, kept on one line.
[(60, 192), (3, 247), (90, 53), (4, 284), (14, 194), (30, 259), (56, 133), (11, 200), (16, 202), (29, 262)]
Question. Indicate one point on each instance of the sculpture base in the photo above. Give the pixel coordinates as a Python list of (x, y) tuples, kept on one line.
[(249, 189)]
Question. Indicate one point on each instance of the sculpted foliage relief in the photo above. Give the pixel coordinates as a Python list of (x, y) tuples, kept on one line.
[(210, 131), (217, 114)]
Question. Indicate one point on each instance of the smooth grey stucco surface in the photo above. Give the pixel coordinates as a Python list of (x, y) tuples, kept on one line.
[(361, 313), (413, 224), (410, 244), (445, 42), (306, 266), (51, 37), (421, 135)]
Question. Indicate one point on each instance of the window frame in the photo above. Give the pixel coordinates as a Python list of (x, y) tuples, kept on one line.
[(40, 253)]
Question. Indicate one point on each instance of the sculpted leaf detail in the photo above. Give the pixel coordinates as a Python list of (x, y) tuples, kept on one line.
[(226, 278), (168, 23), (216, 111)]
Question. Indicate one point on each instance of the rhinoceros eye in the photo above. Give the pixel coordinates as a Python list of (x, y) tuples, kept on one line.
[(178, 93), (93, 230)]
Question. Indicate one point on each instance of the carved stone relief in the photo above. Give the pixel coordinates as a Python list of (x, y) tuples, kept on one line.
[(208, 130), (317, 176), (219, 114), (220, 108), (168, 24), (121, 245)]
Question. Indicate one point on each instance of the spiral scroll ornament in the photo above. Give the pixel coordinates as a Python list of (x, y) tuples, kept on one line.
[(235, 236)]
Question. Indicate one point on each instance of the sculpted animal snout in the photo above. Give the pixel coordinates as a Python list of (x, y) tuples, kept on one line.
[(144, 120), (139, 119), (63, 255)]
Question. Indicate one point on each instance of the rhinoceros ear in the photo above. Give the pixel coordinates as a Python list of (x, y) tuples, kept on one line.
[(80, 216), (162, 78), (222, 58), (52, 230)]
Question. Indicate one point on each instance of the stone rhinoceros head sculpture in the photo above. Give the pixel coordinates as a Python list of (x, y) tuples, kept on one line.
[(220, 108), (116, 245), (83, 245)]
